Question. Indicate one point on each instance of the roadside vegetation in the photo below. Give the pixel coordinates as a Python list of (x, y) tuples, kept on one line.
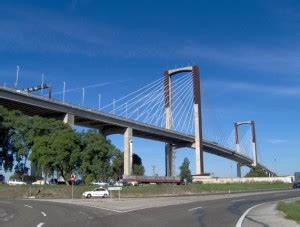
[(290, 210), (257, 171), (64, 191), (54, 148)]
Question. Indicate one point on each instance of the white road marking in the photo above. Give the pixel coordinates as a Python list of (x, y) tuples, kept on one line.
[(154, 206), (196, 208), (40, 225), (241, 220), (44, 214), (102, 208), (134, 209), (4, 202), (27, 206), (8, 218), (280, 194), (238, 200)]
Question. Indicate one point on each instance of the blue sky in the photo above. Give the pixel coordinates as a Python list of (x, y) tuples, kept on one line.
[(248, 52)]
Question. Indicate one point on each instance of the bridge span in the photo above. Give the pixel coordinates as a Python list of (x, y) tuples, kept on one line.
[(108, 124)]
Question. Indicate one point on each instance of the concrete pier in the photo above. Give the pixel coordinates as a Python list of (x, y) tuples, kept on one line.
[(128, 152)]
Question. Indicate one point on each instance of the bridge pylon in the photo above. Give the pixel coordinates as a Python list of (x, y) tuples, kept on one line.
[(237, 143), (198, 145)]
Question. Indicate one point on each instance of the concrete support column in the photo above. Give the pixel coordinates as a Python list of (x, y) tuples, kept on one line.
[(128, 152), (69, 119), (170, 158), (198, 142), (198, 121), (254, 154), (254, 148), (169, 148), (238, 149), (238, 170)]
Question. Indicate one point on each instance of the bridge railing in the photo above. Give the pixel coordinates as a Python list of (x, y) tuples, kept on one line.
[(79, 107)]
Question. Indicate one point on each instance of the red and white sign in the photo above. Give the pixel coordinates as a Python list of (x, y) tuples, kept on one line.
[(72, 178)]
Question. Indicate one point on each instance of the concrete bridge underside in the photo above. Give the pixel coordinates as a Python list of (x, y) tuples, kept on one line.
[(110, 124)]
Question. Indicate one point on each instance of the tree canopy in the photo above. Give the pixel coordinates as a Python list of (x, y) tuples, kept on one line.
[(137, 166), (53, 146), (185, 172), (257, 171)]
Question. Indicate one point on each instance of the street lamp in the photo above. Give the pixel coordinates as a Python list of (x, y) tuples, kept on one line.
[(275, 166)]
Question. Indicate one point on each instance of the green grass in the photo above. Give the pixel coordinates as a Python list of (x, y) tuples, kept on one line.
[(64, 191), (291, 210)]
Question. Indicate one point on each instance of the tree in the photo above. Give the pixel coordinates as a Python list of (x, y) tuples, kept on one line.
[(185, 172), (17, 134), (138, 170), (6, 155), (13, 126), (118, 165), (137, 166), (59, 151), (257, 171), (96, 156)]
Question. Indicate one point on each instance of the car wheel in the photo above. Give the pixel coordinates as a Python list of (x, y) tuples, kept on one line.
[(105, 196), (88, 196)]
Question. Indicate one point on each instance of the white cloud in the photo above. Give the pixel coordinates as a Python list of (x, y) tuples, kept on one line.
[(246, 87), (276, 141), (276, 60)]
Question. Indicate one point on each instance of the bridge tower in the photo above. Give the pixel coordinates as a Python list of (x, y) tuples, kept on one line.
[(237, 142), (170, 148)]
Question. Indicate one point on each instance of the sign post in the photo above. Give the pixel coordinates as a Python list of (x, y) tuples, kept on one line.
[(110, 189), (72, 182)]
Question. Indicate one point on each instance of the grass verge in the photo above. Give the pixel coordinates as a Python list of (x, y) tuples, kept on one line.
[(291, 210), (64, 191)]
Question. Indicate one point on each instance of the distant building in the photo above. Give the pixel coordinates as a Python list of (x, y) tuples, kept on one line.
[(297, 176)]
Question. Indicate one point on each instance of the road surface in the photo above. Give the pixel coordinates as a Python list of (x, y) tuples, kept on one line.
[(224, 211)]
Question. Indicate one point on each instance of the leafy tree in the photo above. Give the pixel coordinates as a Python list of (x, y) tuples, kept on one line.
[(17, 134), (117, 165), (118, 162), (137, 166), (138, 170), (185, 172), (5, 154), (257, 172), (96, 156), (55, 147), (13, 125), (59, 151)]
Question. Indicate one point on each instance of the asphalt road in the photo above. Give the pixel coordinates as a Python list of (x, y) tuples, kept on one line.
[(219, 212)]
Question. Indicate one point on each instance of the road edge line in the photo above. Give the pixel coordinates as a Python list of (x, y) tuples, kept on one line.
[(242, 218)]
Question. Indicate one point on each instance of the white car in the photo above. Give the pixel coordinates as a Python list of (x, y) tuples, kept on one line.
[(97, 192), (99, 183), (40, 182), (16, 182), (118, 183)]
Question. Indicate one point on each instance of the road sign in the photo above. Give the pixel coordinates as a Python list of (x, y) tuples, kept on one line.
[(114, 188), (72, 178)]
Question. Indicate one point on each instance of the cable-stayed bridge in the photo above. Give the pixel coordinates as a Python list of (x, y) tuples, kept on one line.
[(167, 110)]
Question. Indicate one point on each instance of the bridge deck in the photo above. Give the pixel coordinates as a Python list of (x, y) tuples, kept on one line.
[(110, 124)]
